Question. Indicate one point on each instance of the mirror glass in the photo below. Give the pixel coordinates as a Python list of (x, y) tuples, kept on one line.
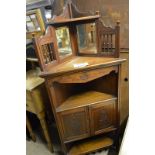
[(32, 23), (87, 38), (63, 41)]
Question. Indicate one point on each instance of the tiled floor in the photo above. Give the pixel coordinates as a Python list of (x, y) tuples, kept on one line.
[(37, 148), (40, 147)]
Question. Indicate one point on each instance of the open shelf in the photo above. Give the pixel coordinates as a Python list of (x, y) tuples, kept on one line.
[(74, 20), (32, 79), (32, 59), (91, 145), (93, 62), (84, 99)]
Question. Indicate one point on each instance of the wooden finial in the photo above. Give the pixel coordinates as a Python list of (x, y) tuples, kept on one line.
[(33, 35), (70, 9), (118, 23), (97, 12)]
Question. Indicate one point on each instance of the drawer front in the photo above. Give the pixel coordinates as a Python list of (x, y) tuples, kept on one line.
[(74, 124), (30, 106), (28, 96), (85, 76), (29, 102), (103, 117), (35, 101)]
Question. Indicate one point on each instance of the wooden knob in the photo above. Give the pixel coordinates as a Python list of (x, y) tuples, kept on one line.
[(118, 23), (97, 13), (126, 79), (33, 35)]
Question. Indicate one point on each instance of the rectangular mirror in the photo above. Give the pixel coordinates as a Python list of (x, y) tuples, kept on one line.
[(63, 42), (87, 38), (34, 23)]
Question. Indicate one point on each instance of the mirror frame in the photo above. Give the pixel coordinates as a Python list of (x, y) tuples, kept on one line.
[(37, 12)]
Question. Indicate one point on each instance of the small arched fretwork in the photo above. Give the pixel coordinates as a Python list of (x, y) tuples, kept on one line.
[(45, 49)]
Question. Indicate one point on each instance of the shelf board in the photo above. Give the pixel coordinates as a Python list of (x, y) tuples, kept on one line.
[(33, 80), (89, 146), (74, 20), (93, 63), (84, 99), (32, 59)]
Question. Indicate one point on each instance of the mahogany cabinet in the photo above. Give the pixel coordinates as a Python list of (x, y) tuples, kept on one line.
[(85, 104), (83, 79)]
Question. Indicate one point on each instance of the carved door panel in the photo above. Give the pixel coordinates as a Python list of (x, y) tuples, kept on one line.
[(103, 117), (74, 124)]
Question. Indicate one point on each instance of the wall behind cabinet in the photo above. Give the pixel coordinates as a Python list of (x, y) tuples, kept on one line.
[(111, 10)]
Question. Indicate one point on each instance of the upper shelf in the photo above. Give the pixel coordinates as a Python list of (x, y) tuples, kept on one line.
[(63, 21)]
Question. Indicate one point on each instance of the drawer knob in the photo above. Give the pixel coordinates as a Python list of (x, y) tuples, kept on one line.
[(126, 79)]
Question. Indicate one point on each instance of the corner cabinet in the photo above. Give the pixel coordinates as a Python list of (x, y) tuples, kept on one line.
[(79, 58), (86, 100)]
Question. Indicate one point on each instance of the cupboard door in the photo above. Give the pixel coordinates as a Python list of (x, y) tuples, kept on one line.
[(103, 117), (74, 124), (124, 103)]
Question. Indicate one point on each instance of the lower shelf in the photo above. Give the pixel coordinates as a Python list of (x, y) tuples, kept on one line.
[(84, 99), (89, 146)]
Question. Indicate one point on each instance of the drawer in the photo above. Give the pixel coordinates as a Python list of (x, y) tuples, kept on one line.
[(29, 102), (103, 117), (85, 76), (30, 106), (35, 100), (28, 96)]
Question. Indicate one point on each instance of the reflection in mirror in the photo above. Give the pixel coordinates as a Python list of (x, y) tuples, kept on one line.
[(63, 41), (32, 23), (48, 14), (30, 27), (87, 38)]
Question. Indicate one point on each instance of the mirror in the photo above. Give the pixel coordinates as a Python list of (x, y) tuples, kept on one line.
[(87, 38), (63, 42), (32, 23)]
